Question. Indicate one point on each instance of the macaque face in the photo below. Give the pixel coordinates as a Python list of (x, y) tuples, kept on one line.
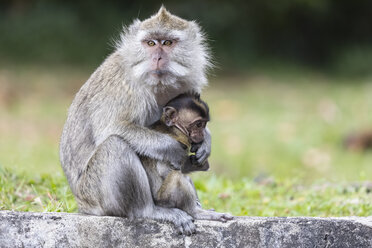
[(194, 124), (189, 114), (165, 50), (159, 52), (196, 130)]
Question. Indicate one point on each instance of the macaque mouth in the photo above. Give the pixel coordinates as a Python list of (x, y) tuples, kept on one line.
[(158, 72)]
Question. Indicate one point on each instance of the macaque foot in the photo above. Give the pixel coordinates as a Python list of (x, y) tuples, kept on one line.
[(212, 215), (184, 223)]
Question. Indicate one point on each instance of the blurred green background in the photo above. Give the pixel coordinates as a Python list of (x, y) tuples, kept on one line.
[(293, 79), (327, 34)]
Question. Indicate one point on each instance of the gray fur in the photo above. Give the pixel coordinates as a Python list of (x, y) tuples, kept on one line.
[(106, 127)]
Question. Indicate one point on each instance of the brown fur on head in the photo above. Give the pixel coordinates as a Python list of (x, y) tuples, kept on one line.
[(164, 19)]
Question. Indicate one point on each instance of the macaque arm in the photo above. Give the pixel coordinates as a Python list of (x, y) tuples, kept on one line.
[(156, 145)]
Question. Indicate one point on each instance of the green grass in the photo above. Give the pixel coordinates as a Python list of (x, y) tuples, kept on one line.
[(44, 192), (284, 198), (277, 143), (266, 197)]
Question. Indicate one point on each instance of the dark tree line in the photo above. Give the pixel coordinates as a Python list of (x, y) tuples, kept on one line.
[(316, 32)]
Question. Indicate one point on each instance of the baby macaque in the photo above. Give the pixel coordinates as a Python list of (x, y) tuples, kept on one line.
[(184, 118)]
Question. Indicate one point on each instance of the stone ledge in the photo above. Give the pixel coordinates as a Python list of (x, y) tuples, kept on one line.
[(25, 229)]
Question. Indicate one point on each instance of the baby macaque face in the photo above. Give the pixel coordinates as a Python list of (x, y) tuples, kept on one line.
[(189, 121), (193, 123)]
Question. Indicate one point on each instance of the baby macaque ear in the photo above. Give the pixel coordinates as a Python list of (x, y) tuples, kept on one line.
[(170, 115)]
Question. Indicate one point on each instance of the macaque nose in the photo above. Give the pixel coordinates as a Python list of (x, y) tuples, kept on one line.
[(157, 55), (158, 58)]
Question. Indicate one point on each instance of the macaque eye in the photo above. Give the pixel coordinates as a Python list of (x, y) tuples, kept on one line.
[(151, 43), (167, 43), (200, 124)]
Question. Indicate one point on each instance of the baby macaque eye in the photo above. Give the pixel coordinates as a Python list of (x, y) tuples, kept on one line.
[(167, 43), (200, 124), (151, 43)]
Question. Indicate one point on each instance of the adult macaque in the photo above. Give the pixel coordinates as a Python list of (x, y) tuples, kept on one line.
[(107, 125), (185, 119)]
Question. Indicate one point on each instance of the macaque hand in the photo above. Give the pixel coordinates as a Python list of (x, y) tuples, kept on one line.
[(194, 148), (205, 148)]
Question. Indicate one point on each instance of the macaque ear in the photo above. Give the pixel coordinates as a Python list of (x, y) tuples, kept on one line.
[(170, 115)]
